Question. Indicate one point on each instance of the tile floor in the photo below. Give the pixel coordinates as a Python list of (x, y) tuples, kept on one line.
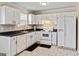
[(53, 51)]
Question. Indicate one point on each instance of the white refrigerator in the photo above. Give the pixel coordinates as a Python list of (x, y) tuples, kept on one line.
[(70, 32), (66, 30)]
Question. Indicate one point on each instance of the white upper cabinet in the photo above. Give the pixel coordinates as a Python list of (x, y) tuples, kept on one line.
[(42, 17), (16, 16), (23, 18), (39, 19), (53, 19), (31, 19), (11, 15), (7, 15)]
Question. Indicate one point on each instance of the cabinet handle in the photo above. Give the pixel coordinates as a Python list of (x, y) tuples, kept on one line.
[(61, 30), (31, 36), (16, 42), (13, 38)]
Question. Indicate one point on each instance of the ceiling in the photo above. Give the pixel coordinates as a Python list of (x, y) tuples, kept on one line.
[(35, 6)]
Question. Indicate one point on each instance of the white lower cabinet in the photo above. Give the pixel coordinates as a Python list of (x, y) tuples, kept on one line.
[(31, 39), (28, 40), (54, 38), (7, 45), (21, 42), (33, 36), (13, 46), (38, 35), (10, 46)]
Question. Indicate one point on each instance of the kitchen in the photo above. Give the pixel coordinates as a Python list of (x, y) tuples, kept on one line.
[(25, 28)]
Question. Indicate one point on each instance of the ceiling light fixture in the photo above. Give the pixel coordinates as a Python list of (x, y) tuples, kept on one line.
[(44, 3)]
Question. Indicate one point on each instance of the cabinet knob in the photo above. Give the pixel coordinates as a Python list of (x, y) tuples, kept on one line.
[(14, 38)]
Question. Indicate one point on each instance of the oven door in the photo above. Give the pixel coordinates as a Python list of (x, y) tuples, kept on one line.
[(46, 35)]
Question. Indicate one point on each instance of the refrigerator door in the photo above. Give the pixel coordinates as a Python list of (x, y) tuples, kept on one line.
[(60, 27), (70, 32)]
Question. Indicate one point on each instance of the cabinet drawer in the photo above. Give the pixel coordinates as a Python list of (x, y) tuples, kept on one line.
[(45, 42)]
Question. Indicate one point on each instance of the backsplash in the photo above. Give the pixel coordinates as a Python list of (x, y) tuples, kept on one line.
[(4, 28)]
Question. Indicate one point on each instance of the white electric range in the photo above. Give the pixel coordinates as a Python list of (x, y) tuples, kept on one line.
[(49, 37), (46, 37)]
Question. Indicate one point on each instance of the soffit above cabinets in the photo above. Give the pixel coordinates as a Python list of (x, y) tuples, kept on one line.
[(35, 6)]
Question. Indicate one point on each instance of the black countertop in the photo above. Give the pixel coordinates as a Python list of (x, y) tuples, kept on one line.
[(18, 32)]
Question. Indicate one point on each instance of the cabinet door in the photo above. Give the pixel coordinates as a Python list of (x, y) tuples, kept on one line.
[(21, 43), (24, 41), (34, 19), (38, 35), (31, 37), (43, 17), (60, 27), (38, 19), (9, 15), (5, 45), (53, 19), (16, 16), (54, 39), (70, 32), (34, 37), (28, 40), (23, 19), (30, 18), (13, 46)]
